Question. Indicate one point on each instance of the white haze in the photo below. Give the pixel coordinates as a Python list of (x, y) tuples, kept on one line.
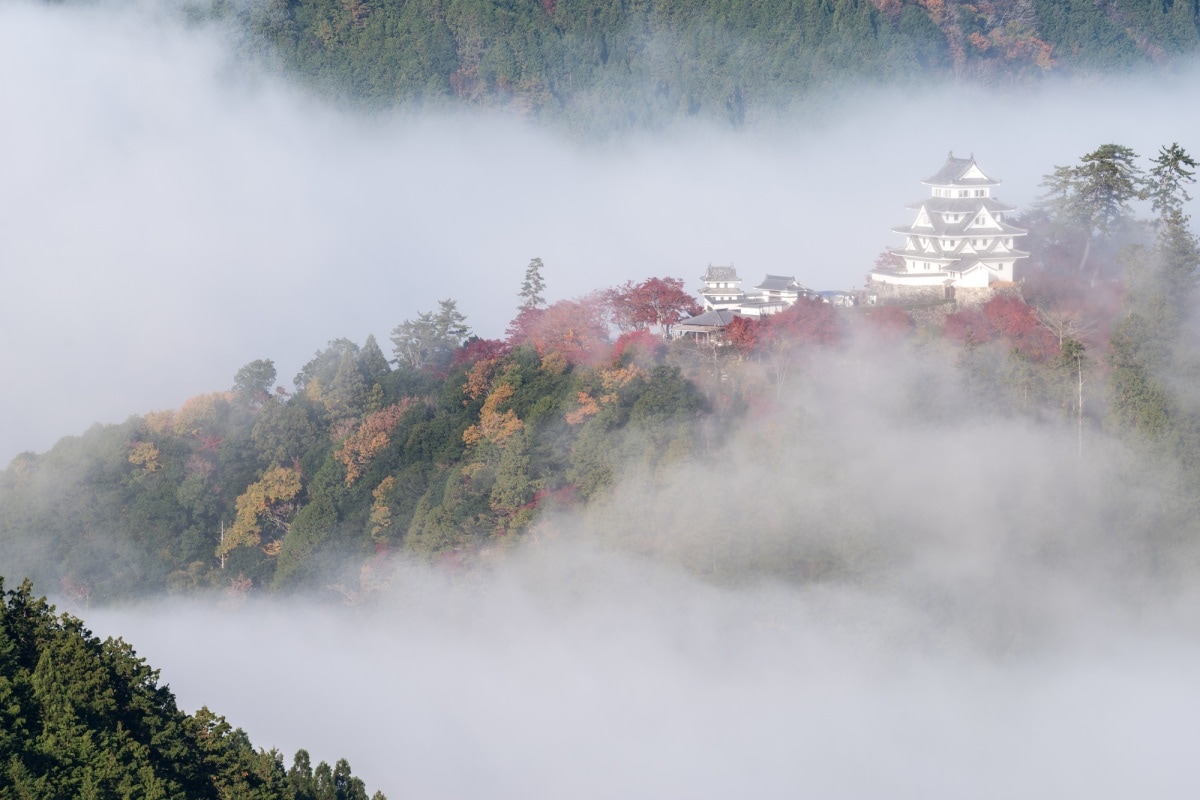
[(169, 214), (995, 617), (589, 676)]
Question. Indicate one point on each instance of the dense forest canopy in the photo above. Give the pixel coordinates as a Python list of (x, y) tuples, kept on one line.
[(630, 64), (88, 718)]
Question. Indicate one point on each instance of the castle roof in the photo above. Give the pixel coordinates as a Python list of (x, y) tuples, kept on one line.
[(940, 205), (960, 172), (709, 319), (720, 274), (939, 227), (779, 283)]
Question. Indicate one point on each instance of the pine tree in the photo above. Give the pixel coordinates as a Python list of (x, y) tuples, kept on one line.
[(1173, 169), (532, 287)]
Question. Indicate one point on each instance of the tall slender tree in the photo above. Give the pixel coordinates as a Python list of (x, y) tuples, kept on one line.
[(532, 287), (1173, 170)]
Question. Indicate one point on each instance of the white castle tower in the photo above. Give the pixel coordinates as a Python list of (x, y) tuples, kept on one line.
[(960, 238)]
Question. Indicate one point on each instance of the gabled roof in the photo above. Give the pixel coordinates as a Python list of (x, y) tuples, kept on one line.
[(940, 205), (939, 227), (779, 283), (715, 274), (960, 172)]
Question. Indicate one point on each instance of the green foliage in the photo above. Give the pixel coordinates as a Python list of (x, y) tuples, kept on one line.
[(594, 64), (253, 382), (532, 287), (1173, 170), (80, 717), (431, 339)]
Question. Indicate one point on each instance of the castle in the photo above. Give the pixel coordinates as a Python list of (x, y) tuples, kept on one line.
[(959, 239), (959, 246), (722, 292)]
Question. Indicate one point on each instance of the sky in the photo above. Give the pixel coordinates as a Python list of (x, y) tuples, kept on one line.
[(170, 213)]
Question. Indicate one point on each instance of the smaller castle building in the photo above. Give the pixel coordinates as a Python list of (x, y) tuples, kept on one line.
[(722, 292)]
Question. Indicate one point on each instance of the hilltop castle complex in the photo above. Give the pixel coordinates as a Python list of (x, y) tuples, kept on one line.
[(959, 246)]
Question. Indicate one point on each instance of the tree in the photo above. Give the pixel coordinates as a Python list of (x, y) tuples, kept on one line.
[(573, 328), (1173, 169), (532, 287), (430, 340), (253, 383), (1072, 359), (1093, 197), (271, 499), (371, 362), (657, 302), (325, 363), (743, 334)]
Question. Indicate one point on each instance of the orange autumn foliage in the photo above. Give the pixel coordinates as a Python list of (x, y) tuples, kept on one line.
[(495, 426), (371, 436)]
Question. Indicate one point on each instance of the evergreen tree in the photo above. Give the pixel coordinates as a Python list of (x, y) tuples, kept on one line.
[(430, 340), (532, 287), (253, 383), (1173, 169), (1093, 196)]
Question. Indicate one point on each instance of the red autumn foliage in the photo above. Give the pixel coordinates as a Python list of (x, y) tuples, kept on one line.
[(573, 328), (641, 345), (1009, 316), (656, 302), (965, 326), (565, 497), (743, 334), (1002, 318), (808, 321), (477, 349)]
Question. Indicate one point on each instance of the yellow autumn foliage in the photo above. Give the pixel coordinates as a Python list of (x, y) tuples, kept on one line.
[(370, 437), (145, 455), (495, 426), (271, 498)]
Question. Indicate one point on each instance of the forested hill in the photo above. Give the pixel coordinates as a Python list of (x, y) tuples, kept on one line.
[(633, 62), (85, 718), (456, 449)]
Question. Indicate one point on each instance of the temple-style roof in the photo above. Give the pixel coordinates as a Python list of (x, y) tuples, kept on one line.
[(939, 227), (960, 172), (779, 283), (940, 205), (709, 319), (720, 274)]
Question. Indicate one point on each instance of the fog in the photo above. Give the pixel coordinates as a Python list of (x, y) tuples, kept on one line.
[(875, 590), (1021, 624), (599, 677), (171, 212)]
